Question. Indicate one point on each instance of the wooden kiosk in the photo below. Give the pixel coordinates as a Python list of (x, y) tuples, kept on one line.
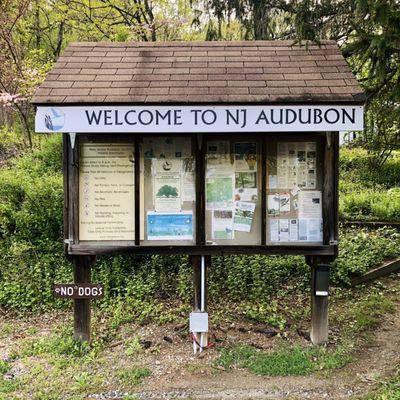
[(201, 148)]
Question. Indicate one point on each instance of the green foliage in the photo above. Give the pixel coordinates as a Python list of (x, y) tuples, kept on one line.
[(284, 361), (133, 376), (388, 389), (369, 193), (361, 249), (369, 312)]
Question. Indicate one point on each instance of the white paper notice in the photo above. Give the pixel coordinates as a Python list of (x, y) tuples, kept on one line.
[(310, 230), (274, 230), (273, 204), (106, 191), (222, 224), (272, 182), (310, 204), (293, 230), (284, 202), (283, 230)]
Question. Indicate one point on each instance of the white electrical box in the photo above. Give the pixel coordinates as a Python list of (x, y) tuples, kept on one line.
[(198, 322)]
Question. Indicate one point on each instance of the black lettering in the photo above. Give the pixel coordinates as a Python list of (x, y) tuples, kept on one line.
[(107, 117), (317, 116), (351, 118), (143, 122), (230, 116), (244, 112), (280, 116), (294, 116), (177, 117), (127, 115), (326, 115), (117, 122), (308, 121), (159, 116), (213, 117), (196, 112), (93, 117), (262, 117)]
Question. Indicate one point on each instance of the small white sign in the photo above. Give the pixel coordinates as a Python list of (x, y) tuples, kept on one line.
[(190, 119)]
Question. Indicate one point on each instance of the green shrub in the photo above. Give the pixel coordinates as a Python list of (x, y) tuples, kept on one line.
[(361, 249)]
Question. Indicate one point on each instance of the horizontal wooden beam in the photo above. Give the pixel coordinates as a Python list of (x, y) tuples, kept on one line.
[(383, 270), (370, 224), (83, 249)]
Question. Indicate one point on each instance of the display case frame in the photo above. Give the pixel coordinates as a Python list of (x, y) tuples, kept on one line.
[(330, 147)]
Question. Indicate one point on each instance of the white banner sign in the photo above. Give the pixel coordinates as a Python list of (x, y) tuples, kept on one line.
[(165, 119)]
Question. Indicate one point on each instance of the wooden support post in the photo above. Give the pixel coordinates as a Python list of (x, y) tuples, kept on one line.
[(319, 307), (82, 313)]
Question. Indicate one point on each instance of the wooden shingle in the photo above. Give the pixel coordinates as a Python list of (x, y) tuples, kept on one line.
[(200, 72)]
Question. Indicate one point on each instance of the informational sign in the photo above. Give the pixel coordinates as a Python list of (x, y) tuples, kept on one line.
[(106, 192), (78, 291), (173, 119)]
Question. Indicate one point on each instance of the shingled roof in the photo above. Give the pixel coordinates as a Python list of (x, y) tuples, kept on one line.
[(199, 72)]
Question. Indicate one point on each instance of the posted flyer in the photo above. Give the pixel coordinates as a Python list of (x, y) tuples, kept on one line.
[(219, 193), (222, 224), (244, 215), (170, 226)]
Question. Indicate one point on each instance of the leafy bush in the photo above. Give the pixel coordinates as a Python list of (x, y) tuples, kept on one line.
[(369, 193), (361, 249), (143, 287)]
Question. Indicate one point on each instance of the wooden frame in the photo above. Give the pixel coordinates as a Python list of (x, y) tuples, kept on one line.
[(330, 143)]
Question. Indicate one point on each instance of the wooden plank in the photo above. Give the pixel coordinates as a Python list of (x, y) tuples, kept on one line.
[(370, 224), (263, 190), (82, 312), (328, 203), (65, 151), (137, 192), (83, 249), (319, 308), (383, 270), (200, 189)]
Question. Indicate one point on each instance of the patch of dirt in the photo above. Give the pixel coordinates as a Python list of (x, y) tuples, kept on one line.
[(178, 374)]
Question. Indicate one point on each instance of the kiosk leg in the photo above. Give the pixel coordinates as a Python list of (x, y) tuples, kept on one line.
[(200, 264), (319, 302), (82, 274)]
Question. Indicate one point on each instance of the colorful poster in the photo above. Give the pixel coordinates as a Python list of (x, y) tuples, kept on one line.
[(170, 226), (219, 193), (244, 215), (222, 224), (246, 156), (246, 186), (167, 184)]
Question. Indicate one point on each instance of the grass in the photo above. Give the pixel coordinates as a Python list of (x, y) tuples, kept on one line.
[(286, 360), (133, 376), (389, 390)]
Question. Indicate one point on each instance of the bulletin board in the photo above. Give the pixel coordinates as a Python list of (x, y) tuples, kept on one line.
[(204, 193)]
